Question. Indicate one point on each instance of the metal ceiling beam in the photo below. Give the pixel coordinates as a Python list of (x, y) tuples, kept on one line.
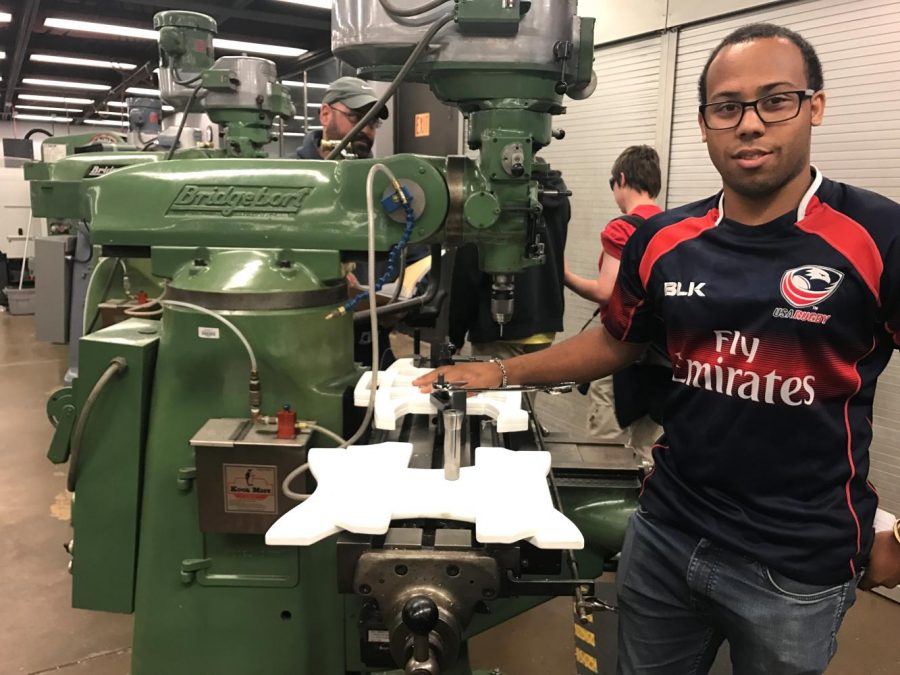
[(235, 5), (216, 10), (307, 61), (26, 20)]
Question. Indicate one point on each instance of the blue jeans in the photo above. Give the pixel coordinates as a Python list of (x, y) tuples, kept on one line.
[(681, 596)]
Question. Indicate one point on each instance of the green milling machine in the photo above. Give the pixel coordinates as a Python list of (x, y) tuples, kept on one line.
[(243, 362)]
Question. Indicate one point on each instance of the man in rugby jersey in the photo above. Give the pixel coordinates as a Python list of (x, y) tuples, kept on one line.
[(779, 301)]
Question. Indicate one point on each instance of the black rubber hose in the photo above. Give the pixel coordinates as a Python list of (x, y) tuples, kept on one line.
[(36, 130), (187, 109), (117, 366), (411, 11), (404, 71)]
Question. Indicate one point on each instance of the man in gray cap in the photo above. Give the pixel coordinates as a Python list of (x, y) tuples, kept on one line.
[(345, 103)]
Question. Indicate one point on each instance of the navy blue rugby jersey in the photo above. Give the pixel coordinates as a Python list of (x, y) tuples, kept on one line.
[(777, 334)]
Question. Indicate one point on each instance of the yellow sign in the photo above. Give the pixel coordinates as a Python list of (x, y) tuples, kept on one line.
[(423, 125)]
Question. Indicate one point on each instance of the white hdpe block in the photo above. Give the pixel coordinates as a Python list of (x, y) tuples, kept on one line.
[(397, 397), (363, 487)]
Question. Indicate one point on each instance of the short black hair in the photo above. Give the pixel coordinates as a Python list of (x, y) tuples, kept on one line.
[(757, 31), (640, 164)]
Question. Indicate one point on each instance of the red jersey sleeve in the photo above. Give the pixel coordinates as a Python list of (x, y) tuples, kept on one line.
[(614, 237)]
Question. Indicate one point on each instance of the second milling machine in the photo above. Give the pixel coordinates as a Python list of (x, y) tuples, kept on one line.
[(193, 432)]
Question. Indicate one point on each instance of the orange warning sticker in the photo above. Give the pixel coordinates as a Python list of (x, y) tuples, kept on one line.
[(423, 125)]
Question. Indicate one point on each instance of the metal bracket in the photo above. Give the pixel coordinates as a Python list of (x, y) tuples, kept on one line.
[(547, 587), (190, 567)]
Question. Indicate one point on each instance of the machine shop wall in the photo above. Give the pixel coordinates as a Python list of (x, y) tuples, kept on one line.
[(858, 143)]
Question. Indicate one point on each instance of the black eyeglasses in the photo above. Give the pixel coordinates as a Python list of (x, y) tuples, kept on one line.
[(771, 109), (354, 118)]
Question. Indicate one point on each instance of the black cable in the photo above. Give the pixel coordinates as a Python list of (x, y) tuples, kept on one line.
[(404, 71), (187, 109), (90, 257), (36, 130), (109, 281), (412, 11), (176, 78)]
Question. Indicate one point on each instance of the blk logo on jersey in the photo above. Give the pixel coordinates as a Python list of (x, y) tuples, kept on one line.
[(809, 285), (686, 290)]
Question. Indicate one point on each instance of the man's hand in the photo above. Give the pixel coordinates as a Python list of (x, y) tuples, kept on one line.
[(884, 563), (475, 375)]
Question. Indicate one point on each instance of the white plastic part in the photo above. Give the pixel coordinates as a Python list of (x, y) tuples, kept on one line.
[(363, 487), (397, 397)]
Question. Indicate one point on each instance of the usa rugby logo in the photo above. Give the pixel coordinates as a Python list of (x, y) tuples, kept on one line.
[(809, 285)]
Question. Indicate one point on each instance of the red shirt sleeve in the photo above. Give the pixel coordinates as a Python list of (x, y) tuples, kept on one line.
[(614, 237)]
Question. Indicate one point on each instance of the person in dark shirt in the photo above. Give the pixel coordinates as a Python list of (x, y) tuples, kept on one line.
[(344, 104), (779, 302)]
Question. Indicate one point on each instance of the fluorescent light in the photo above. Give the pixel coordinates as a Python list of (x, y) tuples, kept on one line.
[(111, 113), (315, 127), (19, 106), (122, 104), (104, 28), (64, 84), (55, 99), (256, 48), (42, 118), (5, 17), (318, 4), (141, 91), (293, 133), (146, 34), (91, 63), (299, 83), (2, 55), (107, 123), (313, 105)]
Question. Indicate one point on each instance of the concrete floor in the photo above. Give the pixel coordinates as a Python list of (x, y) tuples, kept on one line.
[(40, 633)]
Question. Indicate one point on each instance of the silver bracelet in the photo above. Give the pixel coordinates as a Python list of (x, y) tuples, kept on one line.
[(504, 379)]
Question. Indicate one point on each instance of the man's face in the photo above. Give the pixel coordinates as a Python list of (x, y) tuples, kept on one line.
[(337, 120), (756, 159)]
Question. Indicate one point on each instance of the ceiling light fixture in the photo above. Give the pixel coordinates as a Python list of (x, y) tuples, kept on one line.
[(19, 106), (64, 84), (141, 91), (104, 28), (299, 83), (293, 133), (55, 99), (74, 61), (42, 118), (256, 48), (111, 113), (107, 123), (318, 4), (146, 34), (5, 17), (122, 104)]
